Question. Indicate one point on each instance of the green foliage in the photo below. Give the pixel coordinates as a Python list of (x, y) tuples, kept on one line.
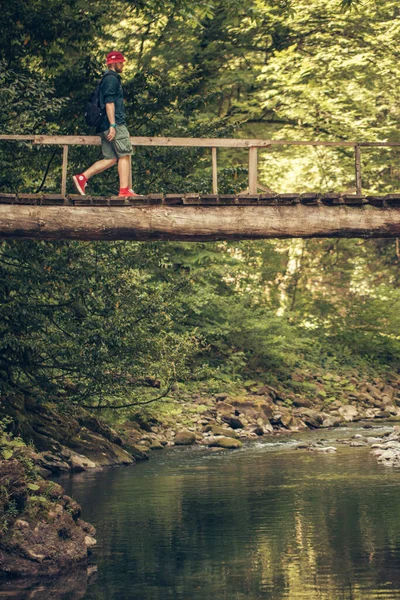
[(9, 445), (118, 323), (85, 322)]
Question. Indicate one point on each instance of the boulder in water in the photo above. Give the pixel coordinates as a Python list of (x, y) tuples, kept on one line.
[(185, 438), (224, 442)]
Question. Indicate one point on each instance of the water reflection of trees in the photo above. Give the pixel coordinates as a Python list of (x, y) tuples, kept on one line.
[(72, 586), (289, 525)]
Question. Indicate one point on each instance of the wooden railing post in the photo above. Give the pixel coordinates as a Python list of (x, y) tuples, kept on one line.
[(64, 171), (214, 171), (252, 170), (358, 168)]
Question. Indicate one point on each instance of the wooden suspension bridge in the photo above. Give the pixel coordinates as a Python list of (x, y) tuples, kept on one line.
[(257, 213)]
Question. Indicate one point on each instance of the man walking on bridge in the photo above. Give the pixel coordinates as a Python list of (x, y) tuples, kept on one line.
[(115, 142)]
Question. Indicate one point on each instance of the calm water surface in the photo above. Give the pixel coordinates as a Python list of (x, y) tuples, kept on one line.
[(264, 522)]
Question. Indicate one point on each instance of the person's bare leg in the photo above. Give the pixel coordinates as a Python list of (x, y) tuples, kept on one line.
[(123, 171), (99, 166)]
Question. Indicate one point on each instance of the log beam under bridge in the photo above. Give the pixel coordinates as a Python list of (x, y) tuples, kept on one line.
[(198, 218)]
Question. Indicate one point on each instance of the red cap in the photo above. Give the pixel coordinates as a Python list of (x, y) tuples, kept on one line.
[(114, 57)]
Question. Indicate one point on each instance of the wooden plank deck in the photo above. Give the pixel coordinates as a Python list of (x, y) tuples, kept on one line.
[(204, 200)]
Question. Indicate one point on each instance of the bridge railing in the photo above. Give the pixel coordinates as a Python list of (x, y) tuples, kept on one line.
[(253, 145)]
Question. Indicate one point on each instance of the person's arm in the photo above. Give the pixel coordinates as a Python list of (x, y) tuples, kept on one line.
[(110, 110)]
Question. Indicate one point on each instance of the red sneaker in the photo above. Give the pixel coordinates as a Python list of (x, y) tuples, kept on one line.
[(127, 193), (80, 182)]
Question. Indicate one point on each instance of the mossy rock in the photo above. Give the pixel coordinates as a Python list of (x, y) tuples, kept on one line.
[(224, 431), (185, 438), (156, 445), (225, 442), (97, 426), (100, 450), (138, 452)]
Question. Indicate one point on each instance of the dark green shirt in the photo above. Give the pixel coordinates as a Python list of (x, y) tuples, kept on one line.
[(111, 91)]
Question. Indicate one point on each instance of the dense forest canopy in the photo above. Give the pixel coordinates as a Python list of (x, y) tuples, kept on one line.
[(119, 323)]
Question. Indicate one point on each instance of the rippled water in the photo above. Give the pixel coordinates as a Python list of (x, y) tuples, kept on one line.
[(264, 522)]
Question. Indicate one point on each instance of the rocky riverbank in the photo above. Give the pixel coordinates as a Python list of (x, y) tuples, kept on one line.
[(78, 440), (41, 532), (225, 420), (65, 441)]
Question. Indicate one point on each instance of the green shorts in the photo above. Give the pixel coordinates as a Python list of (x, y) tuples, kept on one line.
[(120, 146)]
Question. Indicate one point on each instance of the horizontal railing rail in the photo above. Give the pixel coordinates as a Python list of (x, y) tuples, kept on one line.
[(253, 145)]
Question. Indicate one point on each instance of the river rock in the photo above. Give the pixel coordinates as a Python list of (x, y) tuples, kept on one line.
[(369, 399), (391, 408), (324, 449), (330, 421), (370, 414), (383, 414), (387, 400), (253, 409), (388, 451), (78, 462), (311, 418), (224, 442), (233, 422), (99, 449), (59, 436), (390, 444), (348, 412), (185, 438), (38, 542), (297, 424), (48, 547), (144, 444), (258, 430), (136, 451), (94, 424), (90, 541), (265, 424), (220, 430), (286, 417), (388, 390), (156, 445), (225, 409), (52, 462), (302, 403), (388, 458), (375, 392)]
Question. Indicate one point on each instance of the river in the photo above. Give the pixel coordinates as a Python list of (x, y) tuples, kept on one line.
[(268, 521)]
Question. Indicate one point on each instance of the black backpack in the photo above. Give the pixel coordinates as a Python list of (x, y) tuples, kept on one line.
[(94, 112)]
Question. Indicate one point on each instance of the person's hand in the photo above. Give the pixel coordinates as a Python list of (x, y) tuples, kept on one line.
[(111, 134)]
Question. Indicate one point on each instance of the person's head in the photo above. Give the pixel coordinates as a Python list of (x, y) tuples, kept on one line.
[(115, 61)]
